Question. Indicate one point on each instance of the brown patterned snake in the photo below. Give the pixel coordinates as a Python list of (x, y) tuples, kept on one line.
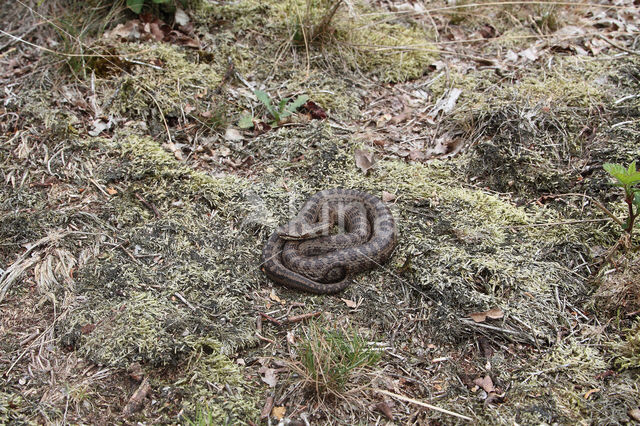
[(303, 255)]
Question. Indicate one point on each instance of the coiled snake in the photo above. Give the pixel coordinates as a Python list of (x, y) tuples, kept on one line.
[(304, 255)]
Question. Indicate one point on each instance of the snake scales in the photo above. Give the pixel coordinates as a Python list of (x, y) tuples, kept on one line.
[(304, 255)]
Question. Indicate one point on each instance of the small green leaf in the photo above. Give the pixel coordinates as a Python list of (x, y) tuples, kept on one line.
[(282, 105), (266, 101), (300, 100), (636, 198), (135, 5), (625, 176), (245, 122)]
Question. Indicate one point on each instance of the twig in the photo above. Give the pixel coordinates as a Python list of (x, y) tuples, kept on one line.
[(265, 339), (136, 400), (617, 46), (148, 205), (270, 318), (303, 317), (185, 301), (423, 404)]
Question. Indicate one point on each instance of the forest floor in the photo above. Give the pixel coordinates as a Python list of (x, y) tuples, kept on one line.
[(143, 172)]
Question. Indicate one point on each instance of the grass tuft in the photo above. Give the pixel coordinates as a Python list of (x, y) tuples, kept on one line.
[(331, 360)]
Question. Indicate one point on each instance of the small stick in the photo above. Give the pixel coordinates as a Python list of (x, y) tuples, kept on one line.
[(185, 301), (270, 318), (266, 410), (148, 205), (303, 317), (136, 400), (423, 404), (265, 339)]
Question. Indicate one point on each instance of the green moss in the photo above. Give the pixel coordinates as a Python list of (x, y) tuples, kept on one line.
[(213, 384), (393, 52), (173, 78), (628, 351)]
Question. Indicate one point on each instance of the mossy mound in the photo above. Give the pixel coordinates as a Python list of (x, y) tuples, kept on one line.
[(543, 134)]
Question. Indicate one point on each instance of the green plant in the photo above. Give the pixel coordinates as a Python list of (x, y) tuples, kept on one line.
[(284, 109), (136, 5), (627, 178), (331, 359), (204, 417)]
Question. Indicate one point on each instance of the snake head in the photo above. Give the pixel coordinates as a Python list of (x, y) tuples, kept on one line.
[(300, 230)]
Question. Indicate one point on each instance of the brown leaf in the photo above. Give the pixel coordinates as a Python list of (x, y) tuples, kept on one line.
[(388, 197), (478, 316), (87, 328), (268, 405), (155, 31), (495, 313), (590, 392), (268, 376), (279, 412), (350, 303), (385, 409), (128, 31), (485, 383), (111, 191), (403, 116), (364, 160), (273, 296), (316, 112)]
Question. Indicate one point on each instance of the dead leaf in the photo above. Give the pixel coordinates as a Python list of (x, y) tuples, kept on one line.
[(446, 104), (268, 405), (316, 112), (279, 412), (485, 383), (495, 313), (129, 31), (634, 413), (385, 409), (98, 126), (530, 54), (268, 376), (403, 116), (590, 392), (232, 134), (388, 197), (446, 146), (181, 18), (350, 303), (273, 296), (478, 316), (364, 160), (111, 191)]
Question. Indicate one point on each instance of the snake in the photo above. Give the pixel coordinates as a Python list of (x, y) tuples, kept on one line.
[(305, 255)]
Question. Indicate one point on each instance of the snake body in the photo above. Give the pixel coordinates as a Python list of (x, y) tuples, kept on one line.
[(304, 255)]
